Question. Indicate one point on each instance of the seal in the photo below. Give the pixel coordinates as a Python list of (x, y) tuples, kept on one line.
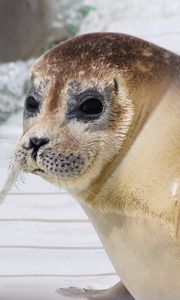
[(102, 119)]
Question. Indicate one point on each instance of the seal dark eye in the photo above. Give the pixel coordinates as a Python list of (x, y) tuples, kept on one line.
[(85, 106), (91, 107), (31, 104)]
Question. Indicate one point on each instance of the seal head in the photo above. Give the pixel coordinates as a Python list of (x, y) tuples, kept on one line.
[(84, 107)]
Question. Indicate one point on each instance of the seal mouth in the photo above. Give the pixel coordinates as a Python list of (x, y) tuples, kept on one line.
[(35, 171)]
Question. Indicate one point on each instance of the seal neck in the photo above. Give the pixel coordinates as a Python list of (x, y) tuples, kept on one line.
[(144, 101)]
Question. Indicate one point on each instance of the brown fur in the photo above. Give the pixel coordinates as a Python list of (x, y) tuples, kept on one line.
[(138, 60)]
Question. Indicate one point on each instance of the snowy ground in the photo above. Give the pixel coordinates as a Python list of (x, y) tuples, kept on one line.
[(46, 241), (45, 238)]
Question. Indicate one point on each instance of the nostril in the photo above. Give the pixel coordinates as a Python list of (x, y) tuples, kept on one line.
[(36, 142)]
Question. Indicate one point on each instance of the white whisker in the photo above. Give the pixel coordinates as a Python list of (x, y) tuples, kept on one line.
[(11, 180)]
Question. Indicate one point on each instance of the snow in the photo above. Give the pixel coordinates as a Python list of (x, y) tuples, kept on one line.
[(13, 78)]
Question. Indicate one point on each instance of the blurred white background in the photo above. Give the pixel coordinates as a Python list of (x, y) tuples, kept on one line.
[(46, 241)]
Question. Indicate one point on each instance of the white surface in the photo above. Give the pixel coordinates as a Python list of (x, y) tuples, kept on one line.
[(46, 241)]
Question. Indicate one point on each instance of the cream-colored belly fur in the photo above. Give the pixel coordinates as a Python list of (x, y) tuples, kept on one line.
[(144, 254)]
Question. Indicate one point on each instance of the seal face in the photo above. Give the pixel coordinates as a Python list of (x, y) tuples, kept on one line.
[(78, 105)]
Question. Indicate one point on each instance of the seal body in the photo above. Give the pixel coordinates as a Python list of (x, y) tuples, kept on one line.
[(144, 245), (141, 252), (101, 118)]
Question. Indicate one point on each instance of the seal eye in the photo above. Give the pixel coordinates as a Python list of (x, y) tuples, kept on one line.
[(91, 106), (31, 104)]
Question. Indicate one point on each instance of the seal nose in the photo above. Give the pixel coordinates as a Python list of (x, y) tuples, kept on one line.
[(38, 142), (35, 143)]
